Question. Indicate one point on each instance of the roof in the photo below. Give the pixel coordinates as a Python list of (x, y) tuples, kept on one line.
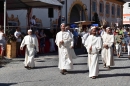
[(121, 1), (23, 4), (127, 0)]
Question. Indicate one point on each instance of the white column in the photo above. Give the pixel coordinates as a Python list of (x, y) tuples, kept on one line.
[(5, 16)]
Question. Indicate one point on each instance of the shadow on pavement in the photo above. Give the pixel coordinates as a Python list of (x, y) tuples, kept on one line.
[(7, 84), (120, 67), (40, 67), (77, 52), (4, 62), (120, 59), (83, 56), (40, 61), (80, 64), (113, 75), (78, 71)]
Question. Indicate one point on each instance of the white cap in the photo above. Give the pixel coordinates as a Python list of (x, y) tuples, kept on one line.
[(108, 28), (62, 24), (29, 30), (93, 27)]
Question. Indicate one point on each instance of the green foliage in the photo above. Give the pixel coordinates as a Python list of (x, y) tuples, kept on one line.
[(10, 35)]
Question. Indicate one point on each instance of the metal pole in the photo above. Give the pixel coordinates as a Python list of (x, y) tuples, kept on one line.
[(82, 13), (66, 11), (5, 16), (90, 9), (50, 23)]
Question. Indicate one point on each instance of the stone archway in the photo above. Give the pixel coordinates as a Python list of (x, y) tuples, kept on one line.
[(74, 12)]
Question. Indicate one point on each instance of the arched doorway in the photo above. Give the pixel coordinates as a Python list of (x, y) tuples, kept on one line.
[(77, 14)]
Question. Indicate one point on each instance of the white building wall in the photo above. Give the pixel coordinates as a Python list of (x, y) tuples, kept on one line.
[(42, 13), (126, 9)]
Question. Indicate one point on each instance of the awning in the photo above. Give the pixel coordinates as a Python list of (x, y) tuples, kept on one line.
[(84, 22), (23, 4), (41, 3)]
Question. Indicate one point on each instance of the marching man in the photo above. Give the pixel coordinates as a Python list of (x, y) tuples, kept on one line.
[(64, 41), (118, 44), (93, 45), (31, 43), (107, 51)]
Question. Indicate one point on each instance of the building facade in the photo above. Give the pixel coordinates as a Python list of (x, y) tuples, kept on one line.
[(76, 10), (126, 13)]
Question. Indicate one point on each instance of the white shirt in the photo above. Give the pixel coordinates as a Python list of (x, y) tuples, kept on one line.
[(17, 34), (33, 22), (84, 37), (1, 36), (102, 33)]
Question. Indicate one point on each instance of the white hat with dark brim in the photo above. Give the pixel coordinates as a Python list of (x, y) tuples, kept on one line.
[(93, 27), (29, 30), (108, 28)]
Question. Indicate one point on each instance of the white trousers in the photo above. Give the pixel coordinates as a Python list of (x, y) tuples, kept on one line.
[(118, 48), (128, 47), (52, 45)]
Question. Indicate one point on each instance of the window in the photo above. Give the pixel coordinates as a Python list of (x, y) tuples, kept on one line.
[(94, 9), (118, 11), (113, 10), (128, 4), (107, 8), (101, 7)]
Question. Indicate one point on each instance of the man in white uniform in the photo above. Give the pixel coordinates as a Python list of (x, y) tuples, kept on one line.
[(31, 43), (64, 43), (93, 45), (52, 43), (107, 51), (103, 30), (72, 43)]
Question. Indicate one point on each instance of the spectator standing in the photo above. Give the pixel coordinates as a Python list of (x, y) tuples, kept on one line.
[(18, 35), (33, 23), (52, 44), (75, 33), (42, 41), (2, 42)]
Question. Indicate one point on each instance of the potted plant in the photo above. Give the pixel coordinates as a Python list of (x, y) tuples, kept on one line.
[(11, 46)]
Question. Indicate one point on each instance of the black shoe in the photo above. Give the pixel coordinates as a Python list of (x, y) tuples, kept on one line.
[(108, 67), (27, 67), (63, 72), (104, 65), (93, 77)]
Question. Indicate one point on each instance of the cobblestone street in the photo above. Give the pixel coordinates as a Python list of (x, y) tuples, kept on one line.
[(46, 73)]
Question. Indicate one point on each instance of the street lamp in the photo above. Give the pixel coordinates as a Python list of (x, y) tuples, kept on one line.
[(84, 5)]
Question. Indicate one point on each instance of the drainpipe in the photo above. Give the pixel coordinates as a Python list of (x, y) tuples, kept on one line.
[(66, 12), (90, 9), (5, 16)]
